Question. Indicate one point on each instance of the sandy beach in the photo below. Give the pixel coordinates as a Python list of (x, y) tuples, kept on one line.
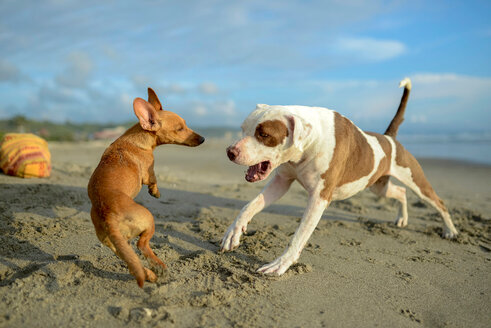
[(358, 269)]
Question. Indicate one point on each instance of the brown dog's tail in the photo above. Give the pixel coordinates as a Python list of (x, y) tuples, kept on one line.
[(125, 252), (399, 117)]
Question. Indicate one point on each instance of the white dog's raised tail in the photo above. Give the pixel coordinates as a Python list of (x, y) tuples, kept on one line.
[(406, 82)]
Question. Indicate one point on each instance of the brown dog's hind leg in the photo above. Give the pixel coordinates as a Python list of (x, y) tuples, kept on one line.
[(132, 220), (144, 246), (385, 188), (100, 230), (147, 229)]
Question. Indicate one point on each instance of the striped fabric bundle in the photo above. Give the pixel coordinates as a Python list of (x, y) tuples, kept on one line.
[(25, 155)]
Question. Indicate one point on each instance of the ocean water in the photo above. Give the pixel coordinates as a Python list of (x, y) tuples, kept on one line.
[(470, 148)]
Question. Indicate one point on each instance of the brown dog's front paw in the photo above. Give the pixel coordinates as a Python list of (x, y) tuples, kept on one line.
[(149, 275), (158, 271), (154, 191), (161, 271)]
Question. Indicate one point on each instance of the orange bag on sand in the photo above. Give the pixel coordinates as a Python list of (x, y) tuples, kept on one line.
[(25, 155)]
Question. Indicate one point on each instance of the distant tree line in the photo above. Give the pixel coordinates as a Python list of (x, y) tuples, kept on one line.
[(70, 131), (67, 131)]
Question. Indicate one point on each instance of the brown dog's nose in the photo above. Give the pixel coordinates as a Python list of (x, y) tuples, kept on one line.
[(232, 153)]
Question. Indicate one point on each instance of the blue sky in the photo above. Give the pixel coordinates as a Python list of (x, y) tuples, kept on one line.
[(212, 61)]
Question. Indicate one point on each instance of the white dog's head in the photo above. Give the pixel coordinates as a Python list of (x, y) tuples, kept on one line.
[(271, 136)]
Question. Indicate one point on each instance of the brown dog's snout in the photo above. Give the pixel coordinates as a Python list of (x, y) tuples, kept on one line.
[(198, 140), (232, 153), (194, 140)]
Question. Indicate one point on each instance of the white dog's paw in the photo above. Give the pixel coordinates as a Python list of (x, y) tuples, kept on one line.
[(278, 266), (401, 222), (231, 239), (449, 233), (401, 219)]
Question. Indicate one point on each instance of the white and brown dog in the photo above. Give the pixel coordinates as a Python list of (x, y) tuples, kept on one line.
[(332, 159)]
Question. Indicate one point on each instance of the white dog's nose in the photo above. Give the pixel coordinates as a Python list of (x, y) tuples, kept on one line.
[(232, 153)]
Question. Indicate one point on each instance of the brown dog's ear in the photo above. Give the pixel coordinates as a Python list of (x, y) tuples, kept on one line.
[(153, 99), (146, 114)]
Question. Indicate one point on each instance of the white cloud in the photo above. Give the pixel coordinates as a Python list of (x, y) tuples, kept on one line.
[(227, 108), (449, 85), (369, 49), (125, 98), (208, 88), (433, 78), (172, 88), (57, 95), (421, 118), (9, 72), (346, 85), (200, 110), (110, 52), (163, 89), (359, 99), (442, 101), (78, 71)]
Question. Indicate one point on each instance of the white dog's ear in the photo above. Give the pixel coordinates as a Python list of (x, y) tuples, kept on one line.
[(299, 131)]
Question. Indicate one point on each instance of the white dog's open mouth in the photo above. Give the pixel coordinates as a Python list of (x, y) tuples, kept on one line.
[(258, 172)]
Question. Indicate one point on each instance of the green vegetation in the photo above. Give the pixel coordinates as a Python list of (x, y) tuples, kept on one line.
[(69, 131), (53, 131)]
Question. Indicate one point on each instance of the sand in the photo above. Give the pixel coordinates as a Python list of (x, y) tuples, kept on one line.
[(358, 269)]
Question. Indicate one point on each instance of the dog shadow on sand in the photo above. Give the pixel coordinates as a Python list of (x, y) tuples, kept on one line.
[(30, 216), (34, 213)]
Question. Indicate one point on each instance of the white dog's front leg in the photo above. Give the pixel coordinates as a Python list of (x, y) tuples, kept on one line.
[(310, 219), (276, 188)]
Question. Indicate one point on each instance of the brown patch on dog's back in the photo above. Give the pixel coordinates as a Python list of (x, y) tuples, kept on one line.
[(384, 165), (352, 158), (271, 133)]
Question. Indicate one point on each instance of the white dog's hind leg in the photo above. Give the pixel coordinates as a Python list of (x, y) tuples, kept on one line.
[(426, 193), (274, 190), (409, 171), (310, 219), (384, 188)]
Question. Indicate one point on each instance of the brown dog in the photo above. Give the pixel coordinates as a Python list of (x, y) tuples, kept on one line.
[(125, 165)]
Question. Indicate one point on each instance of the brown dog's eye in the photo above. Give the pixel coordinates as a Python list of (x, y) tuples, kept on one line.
[(263, 135), (180, 129)]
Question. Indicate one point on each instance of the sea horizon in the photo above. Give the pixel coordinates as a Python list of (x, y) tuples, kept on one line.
[(469, 147)]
